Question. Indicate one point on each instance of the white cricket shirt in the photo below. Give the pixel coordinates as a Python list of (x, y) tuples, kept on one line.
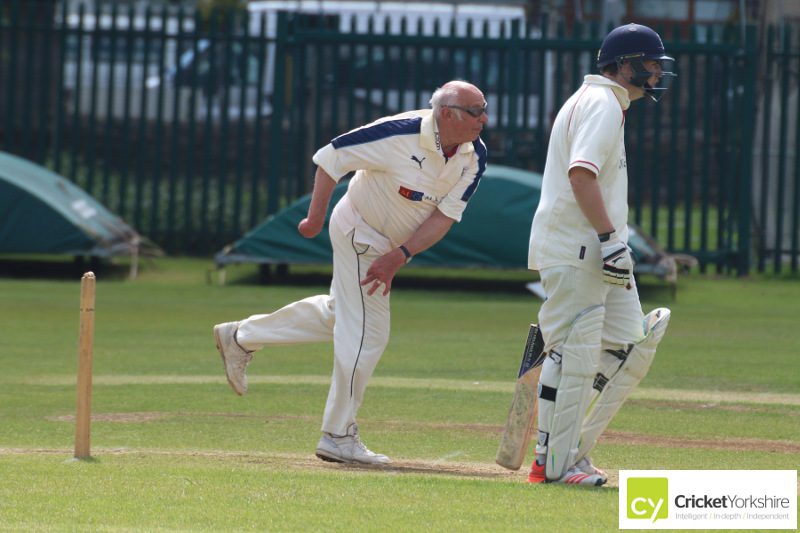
[(588, 132), (402, 175)]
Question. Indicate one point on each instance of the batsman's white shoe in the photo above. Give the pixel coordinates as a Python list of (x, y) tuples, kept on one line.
[(348, 448), (234, 357), (585, 465), (575, 476)]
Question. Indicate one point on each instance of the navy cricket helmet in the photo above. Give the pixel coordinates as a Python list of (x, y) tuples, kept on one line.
[(636, 43)]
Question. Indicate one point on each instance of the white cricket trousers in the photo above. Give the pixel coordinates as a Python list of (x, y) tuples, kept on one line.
[(570, 290), (357, 322)]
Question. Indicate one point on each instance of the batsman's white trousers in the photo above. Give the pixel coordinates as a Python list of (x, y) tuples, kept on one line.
[(570, 290), (357, 322)]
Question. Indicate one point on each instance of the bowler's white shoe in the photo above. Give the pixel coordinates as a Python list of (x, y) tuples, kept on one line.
[(348, 448), (234, 357)]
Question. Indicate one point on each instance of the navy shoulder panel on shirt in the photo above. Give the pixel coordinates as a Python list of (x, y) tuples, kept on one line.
[(376, 132), (480, 151)]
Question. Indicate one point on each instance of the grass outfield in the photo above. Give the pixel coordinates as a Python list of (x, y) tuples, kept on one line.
[(175, 450)]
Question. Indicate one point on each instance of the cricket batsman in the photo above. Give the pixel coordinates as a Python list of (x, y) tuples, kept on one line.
[(599, 343)]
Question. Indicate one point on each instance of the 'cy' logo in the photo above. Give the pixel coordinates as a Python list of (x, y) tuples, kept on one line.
[(648, 497)]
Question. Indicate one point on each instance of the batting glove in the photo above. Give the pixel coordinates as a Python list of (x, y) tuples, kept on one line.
[(617, 260)]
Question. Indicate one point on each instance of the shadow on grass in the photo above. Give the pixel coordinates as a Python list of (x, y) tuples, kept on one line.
[(448, 469), (482, 280), (60, 267), (426, 278)]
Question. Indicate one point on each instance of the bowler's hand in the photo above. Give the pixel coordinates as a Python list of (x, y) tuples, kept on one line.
[(383, 270), (310, 228)]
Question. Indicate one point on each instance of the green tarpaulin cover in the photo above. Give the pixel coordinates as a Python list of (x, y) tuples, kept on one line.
[(41, 212), (493, 232)]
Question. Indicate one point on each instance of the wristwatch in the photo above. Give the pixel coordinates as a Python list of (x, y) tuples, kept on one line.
[(605, 237), (406, 253)]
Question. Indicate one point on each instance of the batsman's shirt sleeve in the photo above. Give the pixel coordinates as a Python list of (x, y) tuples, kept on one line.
[(590, 139)]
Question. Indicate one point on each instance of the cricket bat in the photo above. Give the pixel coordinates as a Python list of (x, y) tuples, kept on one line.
[(522, 415)]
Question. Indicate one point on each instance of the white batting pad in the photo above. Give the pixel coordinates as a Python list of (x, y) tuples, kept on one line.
[(579, 357), (622, 382)]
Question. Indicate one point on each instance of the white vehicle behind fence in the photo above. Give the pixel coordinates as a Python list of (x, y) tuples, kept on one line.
[(98, 68)]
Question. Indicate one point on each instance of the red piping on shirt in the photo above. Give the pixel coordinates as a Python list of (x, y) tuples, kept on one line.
[(571, 111), (597, 170)]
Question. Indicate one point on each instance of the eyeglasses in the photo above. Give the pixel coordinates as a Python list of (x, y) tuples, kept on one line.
[(474, 111)]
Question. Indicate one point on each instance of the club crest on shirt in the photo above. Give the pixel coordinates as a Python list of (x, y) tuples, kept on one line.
[(417, 196), (414, 196)]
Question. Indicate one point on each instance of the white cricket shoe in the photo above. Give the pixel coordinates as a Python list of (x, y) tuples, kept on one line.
[(585, 465), (348, 448), (234, 357), (575, 476)]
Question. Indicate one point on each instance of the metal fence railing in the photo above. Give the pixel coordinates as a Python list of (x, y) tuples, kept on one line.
[(776, 191), (690, 179), (195, 129)]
